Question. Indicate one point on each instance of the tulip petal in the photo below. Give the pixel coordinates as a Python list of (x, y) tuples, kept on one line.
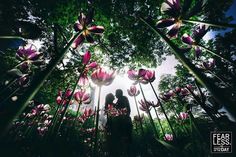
[(173, 32), (165, 23), (198, 51), (86, 57), (187, 39), (82, 19), (92, 65), (89, 17), (141, 72), (96, 29), (78, 27), (78, 41), (171, 8), (199, 32)]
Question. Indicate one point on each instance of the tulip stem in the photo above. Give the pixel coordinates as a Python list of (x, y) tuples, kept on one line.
[(69, 100), (52, 127), (206, 82), (141, 125), (217, 55), (220, 79), (39, 79), (159, 121), (149, 114), (95, 150), (77, 113), (163, 110), (215, 24), (203, 106)]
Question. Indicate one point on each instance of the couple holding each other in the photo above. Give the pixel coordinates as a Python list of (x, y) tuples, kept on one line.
[(118, 128)]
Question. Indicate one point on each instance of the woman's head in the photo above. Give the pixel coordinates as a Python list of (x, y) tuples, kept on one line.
[(110, 98)]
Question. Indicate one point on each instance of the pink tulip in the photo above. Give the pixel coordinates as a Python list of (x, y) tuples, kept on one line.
[(168, 137), (82, 97), (152, 104), (134, 75), (184, 92), (92, 65), (183, 115), (84, 24), (144, 106), (86, 115), (209, 64), (172, 9), (138, 119), (101, 77), (27, 54), (133, 91), (137, 76), (86, 58), (149, 76), (177, 90), (83, 81), (62, 96), (24, 80), (167, 96)]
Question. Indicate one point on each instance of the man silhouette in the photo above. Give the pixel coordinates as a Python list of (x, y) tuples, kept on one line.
[(124, 123), (122, 101)]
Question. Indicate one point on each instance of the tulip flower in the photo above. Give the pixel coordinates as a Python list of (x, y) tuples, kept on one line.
[(86, 58), (42, 130), (100, 77), (133, 91), (177, 90), (173, 9), (144, 106), (138, 118), (86, 115), (167, 96), (193, 42), (149, 76), (23, 80), (84, 81), (152, 104), (84, 24), (209, 64), (63, 98), (183, 115), (168, 137), (28, 56), (137, 76), (184, 92), (82, 97), (92, 65)]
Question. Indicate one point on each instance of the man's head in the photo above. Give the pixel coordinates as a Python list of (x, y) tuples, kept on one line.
[(119, 93)]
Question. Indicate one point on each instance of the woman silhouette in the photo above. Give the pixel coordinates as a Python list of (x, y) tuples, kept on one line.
[(110, 126), (109, 103)]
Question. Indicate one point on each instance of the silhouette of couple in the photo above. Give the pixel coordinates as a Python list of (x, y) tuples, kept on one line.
[(119, 124)]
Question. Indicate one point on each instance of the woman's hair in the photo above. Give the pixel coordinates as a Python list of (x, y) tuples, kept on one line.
[(109, 99)]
